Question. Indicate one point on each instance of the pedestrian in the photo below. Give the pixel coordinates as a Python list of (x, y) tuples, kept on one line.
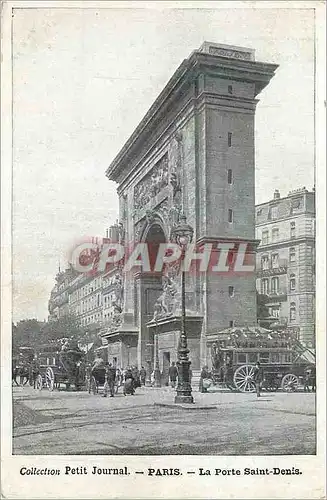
[(313, 379), (204, 379), (258, 377), (129, 382), (110, 380), (307, 377), (143, 375), (118, 380), (173, 373), (35, 368), (136, 377)]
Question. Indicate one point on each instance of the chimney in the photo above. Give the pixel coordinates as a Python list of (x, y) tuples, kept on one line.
[(113, 233), (276, 194)]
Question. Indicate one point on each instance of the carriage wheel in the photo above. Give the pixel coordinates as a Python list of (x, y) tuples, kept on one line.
[(50, 378), (93, 385), (290, 382), (243, 378), (39, 382)]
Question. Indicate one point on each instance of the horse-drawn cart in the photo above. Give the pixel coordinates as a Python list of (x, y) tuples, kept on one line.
[(96, 380), (23, 365), (283, 359), (61, 364)]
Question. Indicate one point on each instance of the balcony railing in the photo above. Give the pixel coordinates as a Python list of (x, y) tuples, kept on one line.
[(279, 295)]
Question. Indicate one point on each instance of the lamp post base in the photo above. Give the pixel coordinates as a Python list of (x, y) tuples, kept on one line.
[(184, 388), (183, 399)]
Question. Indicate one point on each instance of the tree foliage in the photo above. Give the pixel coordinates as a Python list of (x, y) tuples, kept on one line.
[(66, 326), (26, 332), (32, 333)]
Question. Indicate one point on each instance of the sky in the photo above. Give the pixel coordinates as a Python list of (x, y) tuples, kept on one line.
[(82, 81)]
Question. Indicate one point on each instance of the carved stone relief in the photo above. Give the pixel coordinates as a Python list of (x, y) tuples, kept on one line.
[(149, 189), (169, 301), (151, 184)]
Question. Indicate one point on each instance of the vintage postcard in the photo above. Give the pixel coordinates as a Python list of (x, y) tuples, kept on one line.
[(163, 325)]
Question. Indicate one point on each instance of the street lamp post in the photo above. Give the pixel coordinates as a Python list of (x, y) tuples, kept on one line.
[(148, 373), (128, 348), (182, 234), (157, 374)]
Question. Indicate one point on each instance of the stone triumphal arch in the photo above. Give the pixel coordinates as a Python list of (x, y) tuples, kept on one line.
[(192, 153)]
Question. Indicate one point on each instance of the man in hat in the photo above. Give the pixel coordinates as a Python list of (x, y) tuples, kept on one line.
[(143, 375), (35, 368), (258, 377), (173, 374), (110, 380), (306, 378)]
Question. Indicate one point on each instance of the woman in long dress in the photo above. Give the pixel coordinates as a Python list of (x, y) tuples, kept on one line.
[(205, 375)]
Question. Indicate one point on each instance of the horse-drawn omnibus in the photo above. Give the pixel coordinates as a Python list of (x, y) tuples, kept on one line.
[(234, 353)]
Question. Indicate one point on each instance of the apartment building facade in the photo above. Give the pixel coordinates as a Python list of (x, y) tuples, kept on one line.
[(89, 297), (286, 260)]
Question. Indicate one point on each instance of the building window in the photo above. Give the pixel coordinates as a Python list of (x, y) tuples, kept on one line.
[(230, 176), (229, 139), (292, 311), (230, 215), (265, 286), (231, 323), (274, 212), (292, 229), (275, 311), (231, 291), (310, 255), (265, 237), (275, 285), (292, 282), (230, 89), (275, 234), (275, 260), (265, 262), (292, 255)]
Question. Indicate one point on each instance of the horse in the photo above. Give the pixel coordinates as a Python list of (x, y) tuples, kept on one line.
[(14, 372), (24, 373)]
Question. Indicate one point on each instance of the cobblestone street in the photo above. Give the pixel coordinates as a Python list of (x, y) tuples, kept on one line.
[(219, 423)]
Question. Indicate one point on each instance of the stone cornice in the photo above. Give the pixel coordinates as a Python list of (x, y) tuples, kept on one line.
[(181, 84), (217, 239)]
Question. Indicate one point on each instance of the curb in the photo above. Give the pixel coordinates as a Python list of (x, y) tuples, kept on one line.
[(186, 406)]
